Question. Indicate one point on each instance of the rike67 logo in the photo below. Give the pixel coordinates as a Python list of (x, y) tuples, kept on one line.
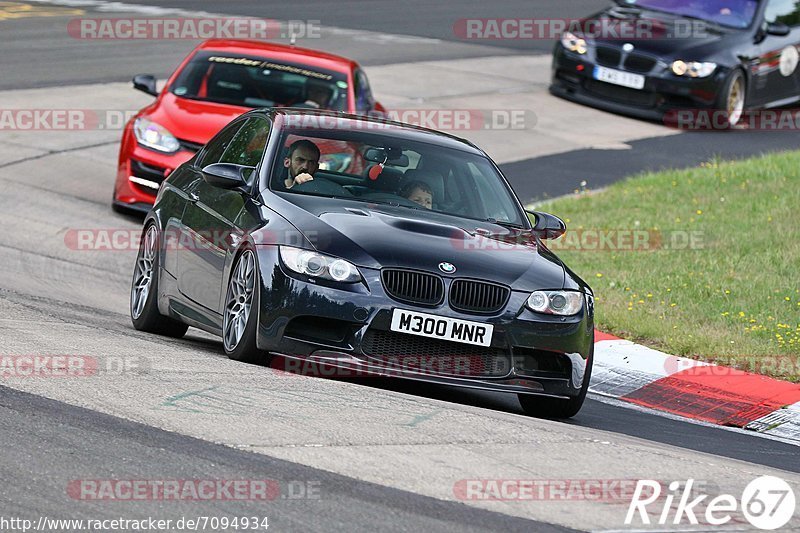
[(767, 503)]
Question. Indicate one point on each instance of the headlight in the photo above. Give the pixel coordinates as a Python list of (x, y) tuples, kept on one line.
[(564, 303), (693, 69), (155, 136), (319, 265), (573, 43)]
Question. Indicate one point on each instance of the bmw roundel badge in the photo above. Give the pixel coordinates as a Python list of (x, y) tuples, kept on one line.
[(447, 268)]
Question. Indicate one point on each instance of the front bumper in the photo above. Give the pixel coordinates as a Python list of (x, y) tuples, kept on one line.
[(140, 172), (663, 92), (316, 327)]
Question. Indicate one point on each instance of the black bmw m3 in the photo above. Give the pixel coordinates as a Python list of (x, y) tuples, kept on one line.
[(366, 245), (657, 58)]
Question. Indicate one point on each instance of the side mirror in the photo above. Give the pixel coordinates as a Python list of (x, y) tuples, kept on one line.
[(778, 28), (227, 175), (547, 226), (145, 83)]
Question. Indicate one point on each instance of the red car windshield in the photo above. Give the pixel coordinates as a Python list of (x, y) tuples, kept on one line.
[(258, 82), (730, 13)]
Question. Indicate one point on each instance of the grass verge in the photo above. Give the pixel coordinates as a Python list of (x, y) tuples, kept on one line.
[(703, 262)]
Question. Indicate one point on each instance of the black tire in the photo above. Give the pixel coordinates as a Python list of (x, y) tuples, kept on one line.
[(148, 317), (543, 407), (244, 349), (730, 116)]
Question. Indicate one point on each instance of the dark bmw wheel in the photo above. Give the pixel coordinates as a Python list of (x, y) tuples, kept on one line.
[(555, 407), (733, 98), (144, 291), (240, 320)]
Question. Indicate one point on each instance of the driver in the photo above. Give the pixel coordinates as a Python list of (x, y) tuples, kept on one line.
[(317, 95), (301, 163)]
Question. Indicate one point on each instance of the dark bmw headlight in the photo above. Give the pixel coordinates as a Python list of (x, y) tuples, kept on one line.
[(573, 43), (693, 69), (319, 265), (563, 303)]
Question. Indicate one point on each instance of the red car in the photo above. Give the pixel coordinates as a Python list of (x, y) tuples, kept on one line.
[(218, 81)]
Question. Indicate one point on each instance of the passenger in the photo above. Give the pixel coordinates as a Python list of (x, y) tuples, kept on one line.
[(302, 162), (418, 192)]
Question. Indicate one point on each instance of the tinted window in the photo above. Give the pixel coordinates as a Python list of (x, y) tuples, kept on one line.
[(247, 147), (217, 145), (449, 180), (364, 100), (785, 11), (259, 82), (731, 13)]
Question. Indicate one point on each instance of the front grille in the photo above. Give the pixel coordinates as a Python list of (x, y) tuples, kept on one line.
[(433, 356), (621, 94), (478, 296), (639, 63), (413, 287), (608, 57), (189, 145)]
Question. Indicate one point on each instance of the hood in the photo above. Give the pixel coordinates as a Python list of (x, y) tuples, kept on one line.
[(662, 34), (192, 120), (377, 236)]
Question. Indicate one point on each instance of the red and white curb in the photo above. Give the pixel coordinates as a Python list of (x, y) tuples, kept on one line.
[(710, 393)]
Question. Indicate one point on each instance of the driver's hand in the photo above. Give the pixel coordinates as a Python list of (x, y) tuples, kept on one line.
[(302, 178)]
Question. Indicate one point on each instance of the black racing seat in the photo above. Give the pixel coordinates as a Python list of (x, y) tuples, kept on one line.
[(388, 180)]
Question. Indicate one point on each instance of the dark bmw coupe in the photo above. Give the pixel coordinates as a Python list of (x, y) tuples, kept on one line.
[(660, 58), (411, 258)]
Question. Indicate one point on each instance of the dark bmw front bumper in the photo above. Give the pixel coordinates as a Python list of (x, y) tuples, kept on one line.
[(573, 78), (315, 325)]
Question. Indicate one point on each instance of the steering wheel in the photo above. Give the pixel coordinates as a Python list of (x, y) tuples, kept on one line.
[(322, 186)]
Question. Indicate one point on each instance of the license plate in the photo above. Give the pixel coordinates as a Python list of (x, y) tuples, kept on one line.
[(439, 327), (619, 77)]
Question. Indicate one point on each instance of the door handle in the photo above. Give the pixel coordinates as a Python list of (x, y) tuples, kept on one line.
[(194, 197)]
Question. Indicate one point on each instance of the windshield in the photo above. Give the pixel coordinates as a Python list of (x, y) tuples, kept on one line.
[(730, 13), (417, 176), (259, 82)]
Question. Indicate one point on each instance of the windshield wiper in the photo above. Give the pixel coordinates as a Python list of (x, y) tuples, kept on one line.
[(393, 204), (504, 224)]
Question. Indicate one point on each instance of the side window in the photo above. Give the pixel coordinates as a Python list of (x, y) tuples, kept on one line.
[(364, 100), (785, 11), (247, 147), (217, 145)]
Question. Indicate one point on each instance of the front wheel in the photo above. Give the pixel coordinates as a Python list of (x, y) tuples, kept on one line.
[(544, 407), (144, 291), (240, 319), (732, 99)]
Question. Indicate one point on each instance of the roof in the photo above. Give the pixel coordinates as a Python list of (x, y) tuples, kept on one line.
[(283, 52), (314, 119)]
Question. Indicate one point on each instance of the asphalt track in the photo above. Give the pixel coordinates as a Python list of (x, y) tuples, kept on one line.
[(385, 455)]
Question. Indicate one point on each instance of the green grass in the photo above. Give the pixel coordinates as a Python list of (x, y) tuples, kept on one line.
[(734, 298)]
